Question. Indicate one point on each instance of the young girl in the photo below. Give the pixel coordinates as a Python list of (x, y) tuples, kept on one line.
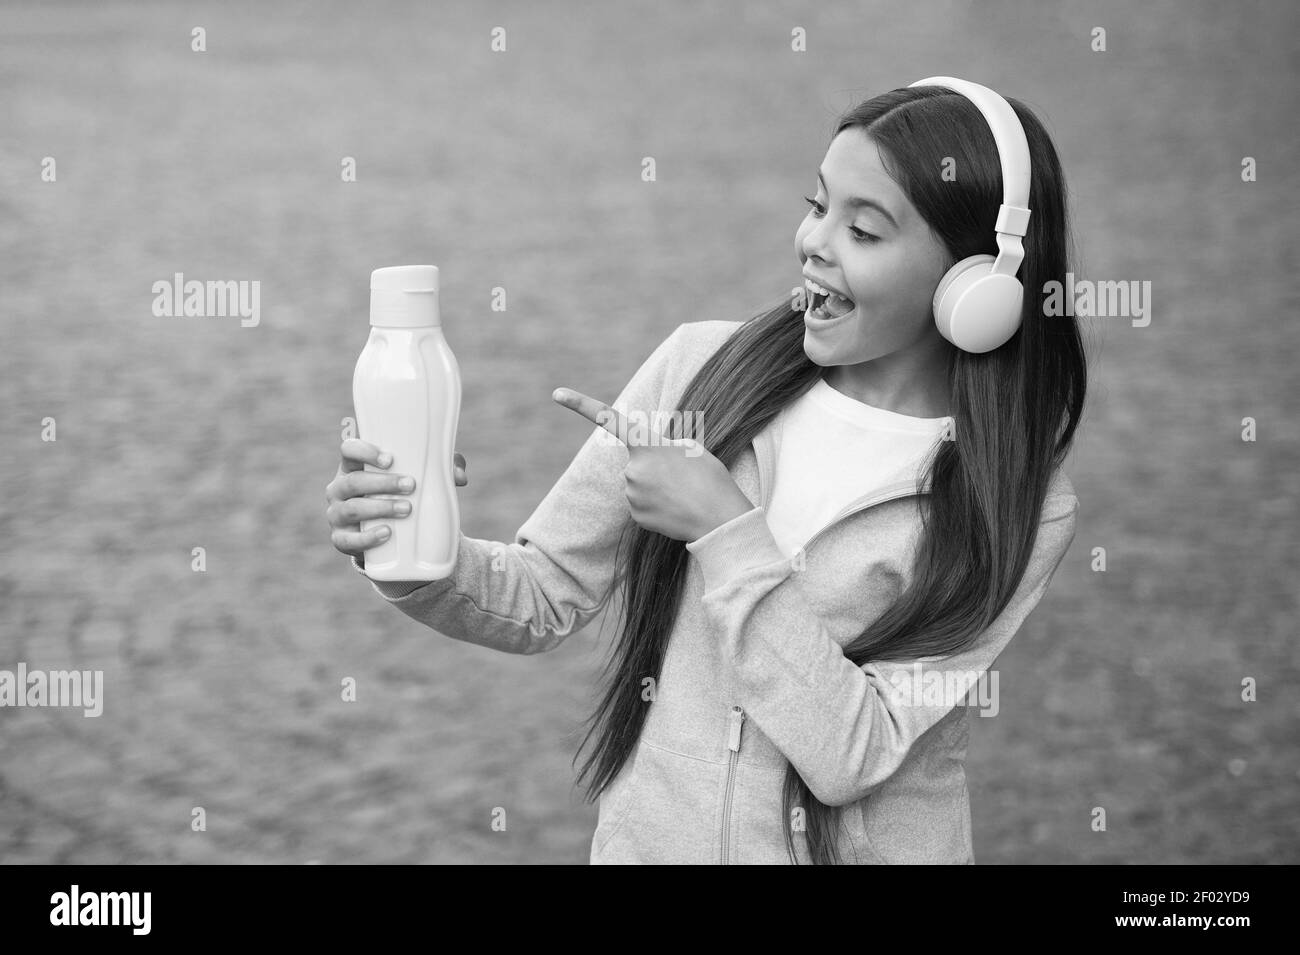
[(857, 507)]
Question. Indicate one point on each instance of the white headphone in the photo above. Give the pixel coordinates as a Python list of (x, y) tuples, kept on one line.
[(977, 305)]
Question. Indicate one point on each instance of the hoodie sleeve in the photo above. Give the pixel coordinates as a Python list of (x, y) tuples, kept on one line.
[(845, 728), (528, 595)]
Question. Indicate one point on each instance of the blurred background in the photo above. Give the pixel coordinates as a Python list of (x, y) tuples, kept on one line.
[(522, 169)]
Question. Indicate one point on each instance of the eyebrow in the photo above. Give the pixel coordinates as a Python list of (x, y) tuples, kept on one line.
[(858, 202)]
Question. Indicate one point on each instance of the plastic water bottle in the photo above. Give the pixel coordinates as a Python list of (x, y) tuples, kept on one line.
[(406, 393)]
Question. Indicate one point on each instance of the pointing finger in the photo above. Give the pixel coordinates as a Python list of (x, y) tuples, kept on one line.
[(597, 412)]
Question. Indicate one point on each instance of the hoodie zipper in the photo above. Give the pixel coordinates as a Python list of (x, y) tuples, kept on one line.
[(889, 492), (898, 489), (733, 744)]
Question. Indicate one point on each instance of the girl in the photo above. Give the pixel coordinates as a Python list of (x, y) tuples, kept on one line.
[(858, 506)]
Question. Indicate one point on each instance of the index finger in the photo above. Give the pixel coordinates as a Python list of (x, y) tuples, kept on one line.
[(597, 412), (357, 454)]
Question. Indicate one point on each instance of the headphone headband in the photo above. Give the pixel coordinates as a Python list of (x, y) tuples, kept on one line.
[(1013, 153)]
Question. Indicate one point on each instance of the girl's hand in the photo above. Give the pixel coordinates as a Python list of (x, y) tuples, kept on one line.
[(675, 487), (346, 505)]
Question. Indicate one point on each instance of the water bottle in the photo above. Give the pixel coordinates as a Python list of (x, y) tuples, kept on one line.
[(406, 393)]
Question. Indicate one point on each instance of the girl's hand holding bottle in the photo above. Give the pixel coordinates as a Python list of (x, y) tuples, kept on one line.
[(346, 503)]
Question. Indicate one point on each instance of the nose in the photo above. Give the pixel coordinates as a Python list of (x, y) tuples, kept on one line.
[(813, 243)]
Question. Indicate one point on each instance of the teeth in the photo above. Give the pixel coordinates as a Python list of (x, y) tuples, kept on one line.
[(841, 304), (813, 286)]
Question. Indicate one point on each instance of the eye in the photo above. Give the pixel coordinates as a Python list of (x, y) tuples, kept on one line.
[(858, 234)]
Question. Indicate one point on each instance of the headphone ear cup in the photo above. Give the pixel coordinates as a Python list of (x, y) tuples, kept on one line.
[(975, 309), (949, 290)]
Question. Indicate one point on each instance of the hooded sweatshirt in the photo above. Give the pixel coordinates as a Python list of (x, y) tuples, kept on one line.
[(754, 678)]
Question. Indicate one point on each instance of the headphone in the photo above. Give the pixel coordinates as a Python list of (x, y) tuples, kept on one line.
[(977, 305)]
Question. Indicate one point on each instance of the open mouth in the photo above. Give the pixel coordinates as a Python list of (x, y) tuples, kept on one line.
[(825, 304)]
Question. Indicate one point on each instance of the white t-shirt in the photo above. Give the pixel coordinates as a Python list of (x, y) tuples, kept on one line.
[(833, 449)]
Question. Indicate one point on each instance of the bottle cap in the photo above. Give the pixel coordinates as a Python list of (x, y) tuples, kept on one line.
[(405, 296)]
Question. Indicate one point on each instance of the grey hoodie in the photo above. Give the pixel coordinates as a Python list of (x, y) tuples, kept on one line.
[(754, 676)]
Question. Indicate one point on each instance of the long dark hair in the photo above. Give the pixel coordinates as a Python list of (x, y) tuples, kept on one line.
[(1015, 408)]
